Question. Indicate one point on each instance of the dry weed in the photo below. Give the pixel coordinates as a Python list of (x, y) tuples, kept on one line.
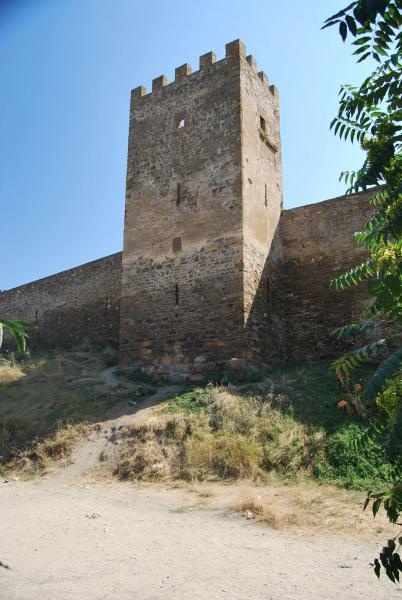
[(10, 371), (251, 504), (53, 450)]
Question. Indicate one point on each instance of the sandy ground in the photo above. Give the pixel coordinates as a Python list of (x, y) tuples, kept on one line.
[(102, 541), (72, 536)]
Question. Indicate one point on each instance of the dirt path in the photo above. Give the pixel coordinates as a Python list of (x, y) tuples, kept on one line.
[(113, 541), (98, 449)]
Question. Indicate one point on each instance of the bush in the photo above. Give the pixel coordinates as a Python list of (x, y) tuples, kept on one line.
[(345, 463)]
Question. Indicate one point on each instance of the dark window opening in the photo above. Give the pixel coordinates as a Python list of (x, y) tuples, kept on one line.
[(266, 196), (262, 123), (176, 244), (176, 292), (36, 316), (178, 197)]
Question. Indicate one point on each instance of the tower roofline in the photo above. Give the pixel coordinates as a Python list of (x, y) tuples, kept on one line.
[(233, 50)]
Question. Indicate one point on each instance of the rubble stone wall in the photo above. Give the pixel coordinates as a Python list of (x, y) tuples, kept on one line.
[(318, 245), (78, 305)]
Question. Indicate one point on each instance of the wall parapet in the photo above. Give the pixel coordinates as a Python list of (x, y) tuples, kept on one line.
[(234, 51)]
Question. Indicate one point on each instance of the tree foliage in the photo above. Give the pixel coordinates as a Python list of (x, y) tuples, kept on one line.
[(371, 115), (18, 330)]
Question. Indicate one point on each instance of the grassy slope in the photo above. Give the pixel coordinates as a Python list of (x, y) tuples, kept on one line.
[(50, 390), (286, 423), (282, 422)]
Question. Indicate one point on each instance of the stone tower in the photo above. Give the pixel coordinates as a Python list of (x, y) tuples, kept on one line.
[(203, 201)]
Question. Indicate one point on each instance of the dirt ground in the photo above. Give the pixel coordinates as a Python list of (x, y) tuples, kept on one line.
[(102, 541), (79, 534)]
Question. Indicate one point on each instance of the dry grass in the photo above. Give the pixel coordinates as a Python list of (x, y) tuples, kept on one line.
[(10, 371), (252, 504), (58, 389), (304, 507), (45, 455), (230, 438), (316, 509), (202, 490), (229, 456)]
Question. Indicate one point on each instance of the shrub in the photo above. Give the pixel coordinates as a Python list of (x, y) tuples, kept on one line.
[(345, 463)]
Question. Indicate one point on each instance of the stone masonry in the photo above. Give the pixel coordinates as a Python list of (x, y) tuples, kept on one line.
[(213, 271)]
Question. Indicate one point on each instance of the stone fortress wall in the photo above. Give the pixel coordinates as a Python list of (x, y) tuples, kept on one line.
[(72, 307), (213, 270)]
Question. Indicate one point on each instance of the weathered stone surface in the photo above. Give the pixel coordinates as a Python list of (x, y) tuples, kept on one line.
[(81, 304), (318, 245), (182, 286), (204, 196)]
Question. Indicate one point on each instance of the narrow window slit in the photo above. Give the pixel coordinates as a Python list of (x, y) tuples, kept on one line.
[(176, 244), (176, 291), (266, 196), (178, 198)]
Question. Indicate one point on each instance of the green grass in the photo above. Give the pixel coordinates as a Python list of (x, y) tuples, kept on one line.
[(296, 423), (189, 401)]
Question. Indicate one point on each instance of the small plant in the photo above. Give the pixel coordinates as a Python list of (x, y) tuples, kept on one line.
[(191, 401)]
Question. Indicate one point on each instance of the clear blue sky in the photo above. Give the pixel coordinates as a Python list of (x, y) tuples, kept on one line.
[(67, 67)]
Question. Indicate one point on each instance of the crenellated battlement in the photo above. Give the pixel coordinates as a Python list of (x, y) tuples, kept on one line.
[(234, 50)]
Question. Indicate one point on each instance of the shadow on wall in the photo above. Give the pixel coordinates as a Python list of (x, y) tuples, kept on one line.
[(294, 309), (265, 326)]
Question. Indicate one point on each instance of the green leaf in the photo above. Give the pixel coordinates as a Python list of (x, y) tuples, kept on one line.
[(363, 57), (376, 383), (17, 329), (351, 24), (343, 30), (376, 507), (361, 49), (362, 40)]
